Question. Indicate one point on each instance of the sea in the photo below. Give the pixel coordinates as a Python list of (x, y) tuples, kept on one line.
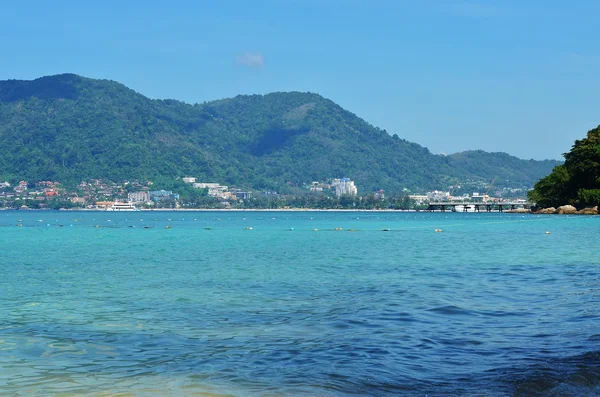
[(298, 303)]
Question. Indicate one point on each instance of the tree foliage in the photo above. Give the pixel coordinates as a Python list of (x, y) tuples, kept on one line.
[(69, 128), (577, 181)]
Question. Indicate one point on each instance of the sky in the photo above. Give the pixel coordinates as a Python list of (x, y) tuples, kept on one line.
[(515, 76)]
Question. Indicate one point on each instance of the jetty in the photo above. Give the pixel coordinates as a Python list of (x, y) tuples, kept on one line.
[(468, 206)]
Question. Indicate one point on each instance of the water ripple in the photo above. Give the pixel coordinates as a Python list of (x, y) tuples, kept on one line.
[(190, 311)]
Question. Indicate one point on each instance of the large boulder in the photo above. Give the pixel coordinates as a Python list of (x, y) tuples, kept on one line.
[(566, 209), (546, 211), (589, 211)]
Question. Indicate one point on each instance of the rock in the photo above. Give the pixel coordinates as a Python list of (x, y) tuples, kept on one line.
[(589, 211), (566, 209), (546, 211)]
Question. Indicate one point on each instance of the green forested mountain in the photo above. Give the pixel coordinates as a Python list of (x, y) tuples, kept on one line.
[(69, 128), (577, 181)]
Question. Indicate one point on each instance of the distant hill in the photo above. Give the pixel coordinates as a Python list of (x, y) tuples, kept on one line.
[(68, 128)]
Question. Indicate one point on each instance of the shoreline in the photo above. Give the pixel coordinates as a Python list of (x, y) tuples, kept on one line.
[(264, 210), (218, 210)]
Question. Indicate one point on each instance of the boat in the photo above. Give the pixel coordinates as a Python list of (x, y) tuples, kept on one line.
[(464, 208), (117, 206)]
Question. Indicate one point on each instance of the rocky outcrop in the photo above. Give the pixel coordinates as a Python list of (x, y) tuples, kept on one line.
[(566, 209), (546, 211), (589, 211)]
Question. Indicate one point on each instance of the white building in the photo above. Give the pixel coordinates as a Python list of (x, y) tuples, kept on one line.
[(189, 179), (344, 187), (138, 197), (214, 189), (317, 187), (480, 198), (219, 192), (418, 198), (203, 185), (436, 195)]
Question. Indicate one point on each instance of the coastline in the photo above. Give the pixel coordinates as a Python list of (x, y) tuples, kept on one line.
[(266, 210), (217, 210)]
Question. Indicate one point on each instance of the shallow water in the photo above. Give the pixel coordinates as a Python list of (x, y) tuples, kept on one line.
[(103, 303)]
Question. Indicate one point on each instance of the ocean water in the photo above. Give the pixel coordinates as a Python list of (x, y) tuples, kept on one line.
[(283, 304)]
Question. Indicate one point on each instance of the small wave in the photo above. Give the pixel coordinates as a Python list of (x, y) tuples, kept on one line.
[(452, 310), (572, 376), (459, 342)]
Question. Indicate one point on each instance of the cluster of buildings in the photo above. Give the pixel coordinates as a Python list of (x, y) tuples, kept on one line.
[(93, 190), (437, 196), (219, 191), (341, 186), (98, 193), (39, 191), (151, 197)]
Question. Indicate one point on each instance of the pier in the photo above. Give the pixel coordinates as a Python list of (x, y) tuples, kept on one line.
[(488, 206)]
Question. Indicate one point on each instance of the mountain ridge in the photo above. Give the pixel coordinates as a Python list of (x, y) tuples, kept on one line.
[(69, 127)]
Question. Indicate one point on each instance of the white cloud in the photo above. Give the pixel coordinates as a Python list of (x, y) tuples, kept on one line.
[(251, 60)]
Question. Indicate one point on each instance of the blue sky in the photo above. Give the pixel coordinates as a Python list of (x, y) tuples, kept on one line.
[(520, 77)]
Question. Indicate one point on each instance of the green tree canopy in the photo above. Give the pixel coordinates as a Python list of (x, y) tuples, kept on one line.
[(69, 128), (577, 181)]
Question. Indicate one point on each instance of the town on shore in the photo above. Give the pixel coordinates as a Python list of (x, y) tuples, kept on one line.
[(187, 194)]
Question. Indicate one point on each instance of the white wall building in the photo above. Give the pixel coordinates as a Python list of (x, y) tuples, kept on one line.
[(344, 187), (189, 179), (316, 187), (436, 195), (419, 198), (203, 185), (138, 197)]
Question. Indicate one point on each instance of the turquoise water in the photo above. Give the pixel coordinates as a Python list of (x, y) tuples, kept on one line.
[(490, 306)]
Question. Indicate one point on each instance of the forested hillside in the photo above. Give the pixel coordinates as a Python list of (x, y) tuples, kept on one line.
[(68, 128), (577, 181)]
